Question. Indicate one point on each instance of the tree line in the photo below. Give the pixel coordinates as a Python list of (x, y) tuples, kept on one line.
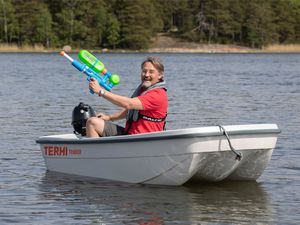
[(132, 23)]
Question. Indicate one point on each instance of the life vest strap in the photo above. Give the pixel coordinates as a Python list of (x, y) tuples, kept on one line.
[(151, 119)]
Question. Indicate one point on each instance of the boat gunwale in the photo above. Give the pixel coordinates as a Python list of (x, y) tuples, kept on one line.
[(164, 135)]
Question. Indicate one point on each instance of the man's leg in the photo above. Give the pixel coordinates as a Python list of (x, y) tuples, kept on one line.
[(94, 127)]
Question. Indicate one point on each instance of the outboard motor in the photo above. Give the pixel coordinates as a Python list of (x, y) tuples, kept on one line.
[(80, 115)]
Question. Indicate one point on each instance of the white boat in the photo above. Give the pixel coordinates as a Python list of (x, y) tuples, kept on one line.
[(173, 157)]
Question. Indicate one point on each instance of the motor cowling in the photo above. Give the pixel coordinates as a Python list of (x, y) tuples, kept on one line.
[(80, 115)]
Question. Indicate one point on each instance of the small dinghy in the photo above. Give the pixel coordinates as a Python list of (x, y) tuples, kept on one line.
[(173, 157)]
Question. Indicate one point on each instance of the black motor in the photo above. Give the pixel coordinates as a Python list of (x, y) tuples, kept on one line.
[(80, 115)]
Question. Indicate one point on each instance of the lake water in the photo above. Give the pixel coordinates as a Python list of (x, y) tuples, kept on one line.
[(39, 91)]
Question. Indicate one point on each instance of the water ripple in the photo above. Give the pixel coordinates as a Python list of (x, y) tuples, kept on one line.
[(204, 89)]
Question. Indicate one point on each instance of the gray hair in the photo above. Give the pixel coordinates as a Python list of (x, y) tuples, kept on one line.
[(156, 62)]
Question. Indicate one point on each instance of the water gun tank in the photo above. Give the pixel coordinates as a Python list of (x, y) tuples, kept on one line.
[(91, 61), (80, 115), (96, 65)]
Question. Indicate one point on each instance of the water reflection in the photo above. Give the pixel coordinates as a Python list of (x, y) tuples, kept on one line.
[(231, 202), (108, 202)]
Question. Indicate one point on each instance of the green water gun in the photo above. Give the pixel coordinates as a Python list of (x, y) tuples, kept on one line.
[(93, 67)]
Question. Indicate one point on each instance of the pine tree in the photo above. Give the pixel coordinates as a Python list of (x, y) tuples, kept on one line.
[(8, 22), (113, 32), (43, 29), (260, 29), (36, 28), (137, 27)]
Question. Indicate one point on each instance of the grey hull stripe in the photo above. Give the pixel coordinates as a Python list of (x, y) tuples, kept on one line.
[(152, 137)]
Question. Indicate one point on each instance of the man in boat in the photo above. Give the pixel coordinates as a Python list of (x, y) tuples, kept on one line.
[(145, 111)]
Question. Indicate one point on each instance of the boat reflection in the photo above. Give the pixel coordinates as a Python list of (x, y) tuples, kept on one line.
[(230, 202), (108, 202)]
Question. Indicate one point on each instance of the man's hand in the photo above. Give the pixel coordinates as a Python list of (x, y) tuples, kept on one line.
[(94, 85), (103, 116)]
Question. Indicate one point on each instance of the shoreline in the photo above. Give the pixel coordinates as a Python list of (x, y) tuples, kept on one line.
[(155, 51), (193, 48)]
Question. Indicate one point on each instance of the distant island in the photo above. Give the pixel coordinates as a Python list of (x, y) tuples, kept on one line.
[(150, 25), (165, 43)]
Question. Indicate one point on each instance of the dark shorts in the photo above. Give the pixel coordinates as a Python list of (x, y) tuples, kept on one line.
[(111, 129)]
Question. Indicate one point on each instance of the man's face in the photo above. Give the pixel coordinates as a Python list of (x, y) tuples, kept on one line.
[(149, 75)]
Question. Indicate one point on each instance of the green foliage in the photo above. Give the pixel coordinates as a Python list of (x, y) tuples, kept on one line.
[(8, 22), (113, 32), (34, 23), (43, 29), (259, 27), (133, 23), (139, 22)]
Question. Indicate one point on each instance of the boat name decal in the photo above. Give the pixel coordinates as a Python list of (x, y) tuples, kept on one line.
[(52, 150)]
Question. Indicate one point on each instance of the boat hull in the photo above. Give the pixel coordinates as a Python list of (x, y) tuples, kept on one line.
[(165, 158)]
